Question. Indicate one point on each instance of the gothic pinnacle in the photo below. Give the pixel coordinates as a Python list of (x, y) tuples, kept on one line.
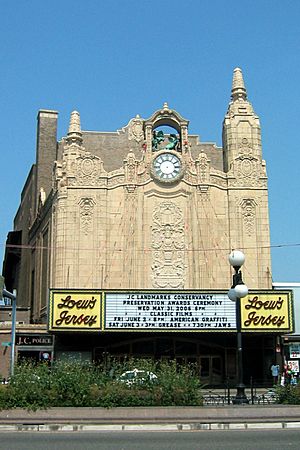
[(74, 122), (238, 90), (74, 133)]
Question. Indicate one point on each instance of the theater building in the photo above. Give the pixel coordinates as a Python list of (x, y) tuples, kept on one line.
[(121, 240)]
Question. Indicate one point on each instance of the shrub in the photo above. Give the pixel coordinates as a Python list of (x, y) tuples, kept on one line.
[(288, 395), (72, 383), (4, 400), (175, 385), (29, 386), (178, 385)]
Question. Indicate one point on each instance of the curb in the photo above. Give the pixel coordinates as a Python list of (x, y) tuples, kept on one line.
[(150, 427)]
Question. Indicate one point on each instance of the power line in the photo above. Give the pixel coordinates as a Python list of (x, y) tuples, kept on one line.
[(213, 249)]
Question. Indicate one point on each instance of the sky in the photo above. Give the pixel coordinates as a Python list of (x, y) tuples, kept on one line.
[(111, 60)]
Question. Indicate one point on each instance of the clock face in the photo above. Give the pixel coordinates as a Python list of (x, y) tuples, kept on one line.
[(167, 166)]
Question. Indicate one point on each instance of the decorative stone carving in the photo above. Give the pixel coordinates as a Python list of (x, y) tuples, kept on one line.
[(245, 171), (148, 138), (86, 214), (190, 173), (218, 179), (136, 129), (88, 171), (116, 180), (62, 178), (144, 177), (61, 208), (130, 164), (203, 190), (249, 213), (168, 245), (202, 167), (130, 188), (190, 178), (72, 182), (184, 135), (245, 147)]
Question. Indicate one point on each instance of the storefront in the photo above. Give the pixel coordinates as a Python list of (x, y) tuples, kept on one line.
[(188, 326)]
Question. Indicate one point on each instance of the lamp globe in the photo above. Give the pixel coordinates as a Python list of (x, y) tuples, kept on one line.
[(236, 258), (232, 295), (241, 290)]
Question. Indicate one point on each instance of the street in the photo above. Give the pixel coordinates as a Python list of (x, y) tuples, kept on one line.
[(125, 440)]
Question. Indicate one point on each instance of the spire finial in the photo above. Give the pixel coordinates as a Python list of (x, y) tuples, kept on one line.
[(74, 133), (74, 122), (238, 90)]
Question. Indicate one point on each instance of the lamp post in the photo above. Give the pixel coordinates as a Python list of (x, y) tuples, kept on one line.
[(238, 290)]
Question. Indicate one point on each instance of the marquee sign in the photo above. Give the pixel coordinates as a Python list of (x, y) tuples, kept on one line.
[(169, 311), (192, 311), (267, 311), (78, 310)]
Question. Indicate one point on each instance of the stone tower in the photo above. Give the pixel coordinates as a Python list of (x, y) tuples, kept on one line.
[(247, 192)]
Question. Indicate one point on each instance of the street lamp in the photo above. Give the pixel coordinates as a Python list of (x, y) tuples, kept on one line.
[(238, 290)]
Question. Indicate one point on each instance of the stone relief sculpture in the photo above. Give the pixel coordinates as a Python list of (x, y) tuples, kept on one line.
[(245, 147), (88, 171), (136, 129), (203, 167), (246, 168), (86, 213), (130, 167), (168, 245), (249, 213)]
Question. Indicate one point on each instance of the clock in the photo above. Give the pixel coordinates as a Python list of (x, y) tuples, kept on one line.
[(167, 167)]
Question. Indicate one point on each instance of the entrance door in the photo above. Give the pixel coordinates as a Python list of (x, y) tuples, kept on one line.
[(211, 369)]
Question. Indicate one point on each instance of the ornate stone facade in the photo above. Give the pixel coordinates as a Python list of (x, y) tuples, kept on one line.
[(168, 246), (148, 207), (114, 222)]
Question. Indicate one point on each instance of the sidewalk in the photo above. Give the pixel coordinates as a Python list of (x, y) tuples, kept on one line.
[(155, 418)]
